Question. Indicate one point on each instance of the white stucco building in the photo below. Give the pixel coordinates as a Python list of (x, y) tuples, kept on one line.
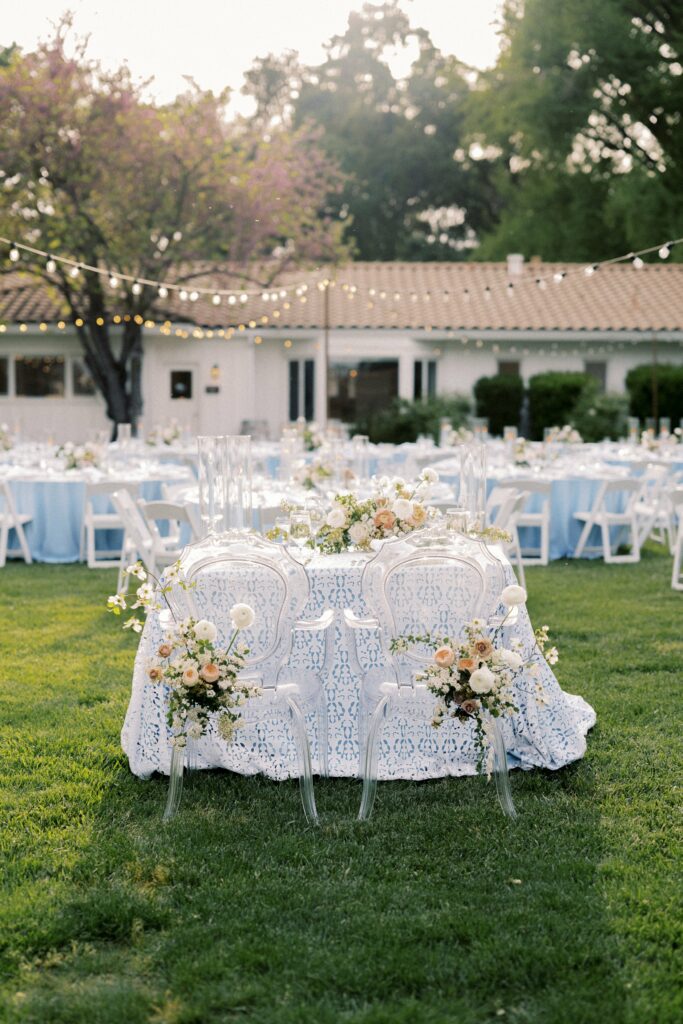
[(375, 331)]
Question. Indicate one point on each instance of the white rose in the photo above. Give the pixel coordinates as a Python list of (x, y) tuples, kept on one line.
[(242, 616), (482, 680), (513, 594), (336, 518), (358, 532), (511, 659), (194, 731), (398, 481), (402, 508), (430, 476), (205, 630)]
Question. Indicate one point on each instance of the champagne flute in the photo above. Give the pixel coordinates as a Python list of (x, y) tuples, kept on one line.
[(316, 512), (300, 528)]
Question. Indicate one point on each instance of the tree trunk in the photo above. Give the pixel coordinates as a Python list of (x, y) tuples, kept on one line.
[(117, 373)]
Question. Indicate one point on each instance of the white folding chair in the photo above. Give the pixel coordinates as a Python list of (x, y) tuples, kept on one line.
[(539, 519), (653, 511), (676, 499), (94, 521), (604, 518), (138, 541), (10, 519), (177, 520), (503, 509)]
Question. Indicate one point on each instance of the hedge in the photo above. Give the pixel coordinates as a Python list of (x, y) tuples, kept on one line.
[(500, 399), (404, 420), (669, 391), (553, 396)]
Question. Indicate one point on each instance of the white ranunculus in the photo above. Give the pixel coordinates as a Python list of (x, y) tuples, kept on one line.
[(482, 680), (205, 630), (358, 532), (242, 616), (402, 508), (429, 475), (336, 518), (513, 594)]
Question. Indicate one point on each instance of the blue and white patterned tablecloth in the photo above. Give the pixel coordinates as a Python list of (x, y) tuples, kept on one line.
[(543, 736)]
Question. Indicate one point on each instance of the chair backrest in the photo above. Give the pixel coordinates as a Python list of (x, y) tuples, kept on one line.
[(136, 529), (433, 582), (245, 569), (627, 487), (173, 514), (500, 505), (7, 500)]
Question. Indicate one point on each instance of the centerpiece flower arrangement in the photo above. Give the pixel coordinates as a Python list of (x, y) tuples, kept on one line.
[(78, 456), (565, 435), (164, 435), (521, 452), (396, 509), (311, 475), (5, 437), (312, 437), (203, 678), (473, 677)]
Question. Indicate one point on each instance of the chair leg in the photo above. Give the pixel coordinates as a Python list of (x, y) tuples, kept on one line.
[(175, 783), (323, 751), (4, 534), (23, 543), (369, 759), (501, 771), (583, 539), (305, 767)]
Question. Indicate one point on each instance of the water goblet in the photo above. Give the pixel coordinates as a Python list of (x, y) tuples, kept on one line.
[(300, 528)]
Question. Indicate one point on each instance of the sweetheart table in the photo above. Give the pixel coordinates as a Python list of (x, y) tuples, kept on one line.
[(540, 736)]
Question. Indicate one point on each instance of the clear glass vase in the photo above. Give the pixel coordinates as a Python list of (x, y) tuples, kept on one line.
[(236, 455), (211, 484), (472, 494)]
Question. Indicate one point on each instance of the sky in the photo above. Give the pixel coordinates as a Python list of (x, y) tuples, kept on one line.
[(215, 41)]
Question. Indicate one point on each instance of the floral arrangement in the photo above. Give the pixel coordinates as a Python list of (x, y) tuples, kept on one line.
[(393, 511), (521, 452), (565, 435), (5, 437), (164, 435), (204, 680), (459, 435), (312, 474), (312, 437), (78, 456), (650, 443), (472, 678)]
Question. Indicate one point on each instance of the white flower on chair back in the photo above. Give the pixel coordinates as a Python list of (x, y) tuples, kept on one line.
[(205, 630), (242, 616), (513, 595)]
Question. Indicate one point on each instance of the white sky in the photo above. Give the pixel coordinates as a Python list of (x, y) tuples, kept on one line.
[(215, 41)]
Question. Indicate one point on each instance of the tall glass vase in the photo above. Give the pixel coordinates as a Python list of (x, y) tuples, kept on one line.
[(472, 494), (211, 484), (237, 482)]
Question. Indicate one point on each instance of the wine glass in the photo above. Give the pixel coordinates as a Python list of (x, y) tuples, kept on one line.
[(316, 513), (300, 528)]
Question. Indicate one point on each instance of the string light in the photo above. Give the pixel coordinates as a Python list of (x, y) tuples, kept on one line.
[(638, 263), (558, 277), (216, 300), (113, 282), (665, 251), (162, 292), (75, 271), (51, 266), (589, 271), (137, 288), (14, 254)]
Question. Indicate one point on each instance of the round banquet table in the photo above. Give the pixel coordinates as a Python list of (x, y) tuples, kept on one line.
[(540, 736), (55, 501)]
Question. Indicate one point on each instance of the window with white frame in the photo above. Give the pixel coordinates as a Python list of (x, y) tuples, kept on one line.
[(597, 369), (39, 376), (424, 378)]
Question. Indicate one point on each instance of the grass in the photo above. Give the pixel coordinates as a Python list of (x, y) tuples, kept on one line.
[(439, 910)]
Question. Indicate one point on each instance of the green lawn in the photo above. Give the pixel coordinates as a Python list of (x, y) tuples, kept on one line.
[(439, 910)]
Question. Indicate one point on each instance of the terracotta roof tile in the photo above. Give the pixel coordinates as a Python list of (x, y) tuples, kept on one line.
[(420, 295)]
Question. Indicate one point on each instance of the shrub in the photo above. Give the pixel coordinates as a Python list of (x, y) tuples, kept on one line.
[(669, 391), (403, 420), (500, 399), (553, 396), (599, 416)]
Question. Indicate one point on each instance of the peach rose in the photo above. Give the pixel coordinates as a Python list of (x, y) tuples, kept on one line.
[(468, 664), (164, 650), (483, 648), (384, 519), (155, 673), (444, 657), (210, 673), (190, 676), (470, 706)]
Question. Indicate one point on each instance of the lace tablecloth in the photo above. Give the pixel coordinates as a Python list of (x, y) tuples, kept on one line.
[(545, 736)]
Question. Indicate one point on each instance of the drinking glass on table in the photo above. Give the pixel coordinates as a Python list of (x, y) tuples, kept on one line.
[(300, 528), (316, 514)]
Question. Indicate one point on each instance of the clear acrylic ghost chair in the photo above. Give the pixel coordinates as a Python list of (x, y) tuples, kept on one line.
[(605, 518), (676, 499), (430, 581), (10, 519), (243, 568)]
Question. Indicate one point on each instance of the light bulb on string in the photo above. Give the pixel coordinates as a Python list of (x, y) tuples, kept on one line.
[(74, 272), (113, 282), (558, 277), (244, 297), (216, 299), (589, 271), (232, 300), (541, 283), (137, 288), (182, 295), (510, 289), (51, 266), (638, 263), (14, 254), (162, 292), (665, 252), (194, 296)]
